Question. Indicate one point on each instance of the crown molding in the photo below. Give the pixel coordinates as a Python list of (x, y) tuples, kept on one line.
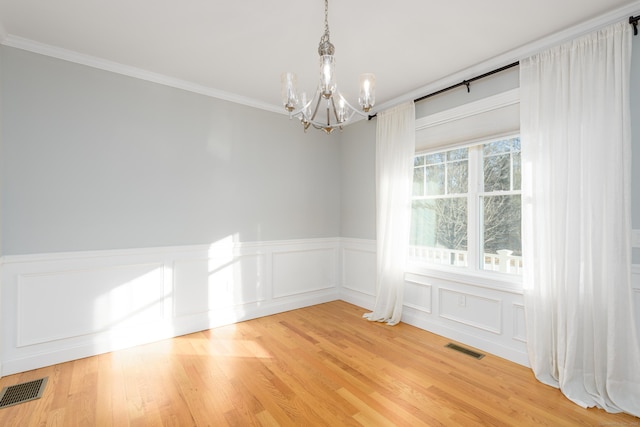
[(520, 53), (139, 73)]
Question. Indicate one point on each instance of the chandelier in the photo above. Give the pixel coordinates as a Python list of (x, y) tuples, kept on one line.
[(328, 109)]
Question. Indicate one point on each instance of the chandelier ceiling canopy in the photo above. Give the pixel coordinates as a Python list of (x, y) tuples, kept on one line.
[(327, 109)]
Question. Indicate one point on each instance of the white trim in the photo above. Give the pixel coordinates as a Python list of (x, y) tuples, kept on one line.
[(516, 309), (162, 250), (518, 53), (484, 105), (415, 281), (494, 281), (139, 73)]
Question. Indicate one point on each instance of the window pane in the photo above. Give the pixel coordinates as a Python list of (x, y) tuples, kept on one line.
[(418, 161), (459, 154), (516, 143), (435, 180), (434, 158), (423, 223), (517, 171), (501, 237), (458, 177), (418, 181), (439, 230), (497, 173), (497, 147)]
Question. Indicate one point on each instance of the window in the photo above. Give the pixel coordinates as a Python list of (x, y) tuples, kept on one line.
[(466, 207)]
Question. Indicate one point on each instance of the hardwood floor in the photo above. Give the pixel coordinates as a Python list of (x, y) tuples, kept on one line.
[(321, 365)]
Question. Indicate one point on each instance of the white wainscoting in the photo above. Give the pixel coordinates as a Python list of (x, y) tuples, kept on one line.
[(479, 315), (490, 318), (358, 268), (61, 307)]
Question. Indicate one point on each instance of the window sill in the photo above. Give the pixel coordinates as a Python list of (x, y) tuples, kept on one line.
[(485, 279)]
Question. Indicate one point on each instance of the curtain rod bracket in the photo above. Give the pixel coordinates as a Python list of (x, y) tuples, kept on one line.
[(467, 84), (633, 20)]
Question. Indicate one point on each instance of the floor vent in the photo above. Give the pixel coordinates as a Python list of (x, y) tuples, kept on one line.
[(465, 351), (21, 393)]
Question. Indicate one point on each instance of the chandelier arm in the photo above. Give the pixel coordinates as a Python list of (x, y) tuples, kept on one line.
[(351, 107), (315, 110), (321, 125), (335, 110), (351, 112)]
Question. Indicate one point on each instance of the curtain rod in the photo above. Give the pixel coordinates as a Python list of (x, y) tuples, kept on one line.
[(633, 20), (466, 83)]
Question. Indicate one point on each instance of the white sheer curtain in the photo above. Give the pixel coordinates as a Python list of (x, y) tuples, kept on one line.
[(576, 153), (395, 149)]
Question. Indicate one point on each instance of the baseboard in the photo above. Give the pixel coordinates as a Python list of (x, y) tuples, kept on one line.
[(367, 302)]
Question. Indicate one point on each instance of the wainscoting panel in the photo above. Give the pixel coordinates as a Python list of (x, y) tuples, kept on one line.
[(358, 265), (214, 283), (519, 323), (359, 276), (417, 293), (301, 271), (65, 304), (470, 309)]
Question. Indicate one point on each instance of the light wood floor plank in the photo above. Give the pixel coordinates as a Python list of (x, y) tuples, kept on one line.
[(318, 366)]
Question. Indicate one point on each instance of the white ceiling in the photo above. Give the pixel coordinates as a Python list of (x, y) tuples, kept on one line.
[(239, 48)]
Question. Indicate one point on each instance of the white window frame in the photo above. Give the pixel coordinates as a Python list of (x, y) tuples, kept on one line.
[(472, 274)]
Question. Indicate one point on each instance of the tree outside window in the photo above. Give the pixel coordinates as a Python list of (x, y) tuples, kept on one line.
[(469, 192)]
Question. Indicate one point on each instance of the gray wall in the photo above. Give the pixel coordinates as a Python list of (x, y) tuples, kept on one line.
[(94, 160), (358, 174)]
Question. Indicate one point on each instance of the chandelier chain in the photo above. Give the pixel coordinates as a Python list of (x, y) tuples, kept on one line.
[(325, 47), (326, 19)]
